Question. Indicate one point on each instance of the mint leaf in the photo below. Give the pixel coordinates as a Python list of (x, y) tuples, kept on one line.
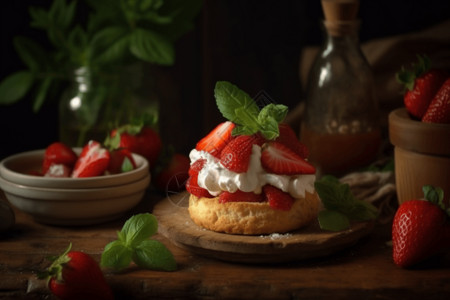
[(152, 254), (151, 47), (116, 255), (333, 220), (338, 198), (126, 165), (273, 111), (133, 244), (139, 228), (230, 98)]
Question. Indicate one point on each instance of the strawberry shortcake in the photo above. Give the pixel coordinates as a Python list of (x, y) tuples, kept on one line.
[(250, 175)]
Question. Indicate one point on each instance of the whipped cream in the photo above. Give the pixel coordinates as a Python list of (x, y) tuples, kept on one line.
[(215, 178)]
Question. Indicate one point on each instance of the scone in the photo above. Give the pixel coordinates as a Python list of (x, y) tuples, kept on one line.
[(250, 175)]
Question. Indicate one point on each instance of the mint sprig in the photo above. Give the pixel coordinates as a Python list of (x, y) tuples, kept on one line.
[(133, 244), (341, 207), (238, 107)]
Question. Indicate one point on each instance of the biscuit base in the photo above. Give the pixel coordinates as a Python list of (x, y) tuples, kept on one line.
[(252, 218)]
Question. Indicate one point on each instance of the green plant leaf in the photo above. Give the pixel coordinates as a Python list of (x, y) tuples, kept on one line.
[(151, 47), (15, 86), (333, 220), (337, 197), (230, 99), (110, 44), (152, 254), (139, 227), (41, 94), (116, 256), (31, 53)]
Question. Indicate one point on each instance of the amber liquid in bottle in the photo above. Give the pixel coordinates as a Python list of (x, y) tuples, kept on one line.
[(341, 121)]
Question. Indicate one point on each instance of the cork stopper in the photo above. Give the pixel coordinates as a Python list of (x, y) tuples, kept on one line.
[(339, 14)]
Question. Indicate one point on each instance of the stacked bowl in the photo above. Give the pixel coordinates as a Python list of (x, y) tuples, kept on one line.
[(71, 201)]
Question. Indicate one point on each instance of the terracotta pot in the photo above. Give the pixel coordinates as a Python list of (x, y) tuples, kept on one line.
[(421, 153)]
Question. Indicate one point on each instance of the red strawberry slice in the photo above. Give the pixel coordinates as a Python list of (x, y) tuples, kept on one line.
[(289, 138), (277, 198), (196, 167), (121, 160), (240, 196), (279, 159), (439, 109), (58, 153), (193, 188), (93, 161), (58, 170), (217, 139), (236, 154)]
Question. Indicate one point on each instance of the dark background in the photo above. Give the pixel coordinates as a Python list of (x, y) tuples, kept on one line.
[(253, 44)]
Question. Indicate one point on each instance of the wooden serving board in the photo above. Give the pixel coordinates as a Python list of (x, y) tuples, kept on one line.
[(175, 223)]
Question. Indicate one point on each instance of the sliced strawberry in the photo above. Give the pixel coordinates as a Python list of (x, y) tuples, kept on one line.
[(93, 161), (193, 188), (439, 109), (196, 167), (277, 198), (58, 170), (289, 138), (121, 160), (279, 159), (58, 153), (240, 196), (236, 154), (217, 139)]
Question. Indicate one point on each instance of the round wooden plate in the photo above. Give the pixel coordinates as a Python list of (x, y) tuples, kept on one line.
[(175, 223)]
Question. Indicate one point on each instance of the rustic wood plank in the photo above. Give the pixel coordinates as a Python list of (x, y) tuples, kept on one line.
[(364, 270)]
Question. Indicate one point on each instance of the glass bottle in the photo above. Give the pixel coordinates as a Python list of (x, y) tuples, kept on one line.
[(99, 100), (341, 119)]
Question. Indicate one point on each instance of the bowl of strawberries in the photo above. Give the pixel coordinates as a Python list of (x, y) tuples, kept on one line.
[(80, 186), (420, 131)]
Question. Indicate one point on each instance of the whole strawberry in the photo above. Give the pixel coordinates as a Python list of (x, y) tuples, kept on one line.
[(138, 139), (422, 84), (76, 275), (420, 228), (439, 109)]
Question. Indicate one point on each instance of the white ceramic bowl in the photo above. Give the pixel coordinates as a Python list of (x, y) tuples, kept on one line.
[(59, 206), (16, 169)]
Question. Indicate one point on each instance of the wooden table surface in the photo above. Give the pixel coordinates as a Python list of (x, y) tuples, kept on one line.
[(362, 271)]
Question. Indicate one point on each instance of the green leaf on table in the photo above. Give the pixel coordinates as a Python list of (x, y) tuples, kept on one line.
[(116, 256), (337, 197), (15, 86), (152, 254), (151, 47), (139, 228), (133, 244), (333, 220)]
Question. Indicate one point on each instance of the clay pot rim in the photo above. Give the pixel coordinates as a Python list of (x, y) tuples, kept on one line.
[(417, 136)]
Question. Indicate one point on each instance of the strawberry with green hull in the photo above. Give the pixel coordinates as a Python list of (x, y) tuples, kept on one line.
[(420, 229), (422, 84), (139, 139), (75, 275)]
